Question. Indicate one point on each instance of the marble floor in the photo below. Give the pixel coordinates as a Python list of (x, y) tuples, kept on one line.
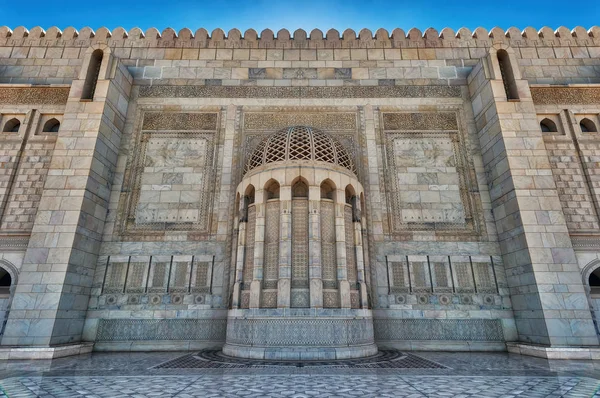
[(462, 375)]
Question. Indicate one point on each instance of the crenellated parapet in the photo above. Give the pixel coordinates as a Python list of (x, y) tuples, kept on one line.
[(398, 38)]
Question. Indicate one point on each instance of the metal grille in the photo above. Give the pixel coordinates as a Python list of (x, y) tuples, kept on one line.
[(249, 255), (271, 264), (299, 243), (135, 277), (201, 280), (115, 277), (464, 279), (328, 253), (383, 359), (399, 277), (159, 276), (484, 277)]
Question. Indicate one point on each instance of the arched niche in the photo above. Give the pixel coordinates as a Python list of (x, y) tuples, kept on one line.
[(272, 189), (51, 126), (12, 126), (299, 188), (92, 75), (328, 189), (548, 126), (587, 126)]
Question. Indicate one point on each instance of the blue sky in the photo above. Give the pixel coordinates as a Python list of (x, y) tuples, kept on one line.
[(305, 14)]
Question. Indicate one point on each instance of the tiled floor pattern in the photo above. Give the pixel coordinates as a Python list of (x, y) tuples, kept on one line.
[(299, 386), (476, 375), (384, 359)]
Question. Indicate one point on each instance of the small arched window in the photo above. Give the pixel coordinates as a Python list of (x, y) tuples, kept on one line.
[(508, 77), (92, 75), (594, 282), (12, 126), (548, 126), (51, 126), (5, 282), (587, 126)]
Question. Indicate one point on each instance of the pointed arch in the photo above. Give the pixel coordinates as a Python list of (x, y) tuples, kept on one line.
[(51, 126), (548, 126), (92, 75), (328, 189), (271, 188), (587, 126), (12, 126)]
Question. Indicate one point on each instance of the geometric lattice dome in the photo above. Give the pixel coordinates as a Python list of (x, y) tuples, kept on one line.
[(300, 143)]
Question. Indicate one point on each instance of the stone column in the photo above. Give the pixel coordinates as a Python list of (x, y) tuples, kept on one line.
[(285, 248), (547, 294), (241, 248), (360, 255), (259, 250), (314, 247), (51, 299), (340, 247)]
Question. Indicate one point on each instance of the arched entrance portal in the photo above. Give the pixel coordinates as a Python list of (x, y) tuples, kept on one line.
[(300, 289), (7, 283), (591, 281)]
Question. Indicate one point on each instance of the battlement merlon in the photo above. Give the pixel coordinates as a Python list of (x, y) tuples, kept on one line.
[(414, 38)]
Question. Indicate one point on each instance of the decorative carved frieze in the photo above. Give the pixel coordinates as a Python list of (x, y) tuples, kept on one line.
[(161, 329), (438, 329), (180, 121), (34, 95), (420, 121), (300, 92), (565, 95), (326, 121)]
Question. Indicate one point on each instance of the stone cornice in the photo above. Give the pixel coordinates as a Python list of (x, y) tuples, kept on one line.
[(414, 38)]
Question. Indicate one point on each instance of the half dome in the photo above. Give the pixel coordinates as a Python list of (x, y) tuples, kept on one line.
[(300, 143)]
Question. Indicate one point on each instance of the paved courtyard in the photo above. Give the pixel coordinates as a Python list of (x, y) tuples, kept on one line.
[(461, 375)]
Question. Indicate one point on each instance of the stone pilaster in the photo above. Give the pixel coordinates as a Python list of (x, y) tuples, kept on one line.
[(360, 264), (259, 249), (546, 290), (241, 248), (284, 285), (314, 246), (52, 296), (340, 248)]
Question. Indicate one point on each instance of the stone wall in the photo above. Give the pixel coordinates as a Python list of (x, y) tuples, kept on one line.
[(423, 116)]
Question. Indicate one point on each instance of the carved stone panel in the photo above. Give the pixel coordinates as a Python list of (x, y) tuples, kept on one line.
[(248, 273), (299, 243), (169, 185), (271, 261), (328, 252)]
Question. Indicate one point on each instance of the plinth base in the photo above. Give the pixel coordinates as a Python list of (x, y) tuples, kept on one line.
[(40, 352), (300, 334), (554, 352)]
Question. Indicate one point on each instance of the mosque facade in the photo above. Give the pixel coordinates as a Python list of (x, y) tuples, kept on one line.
[(299, 195)]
